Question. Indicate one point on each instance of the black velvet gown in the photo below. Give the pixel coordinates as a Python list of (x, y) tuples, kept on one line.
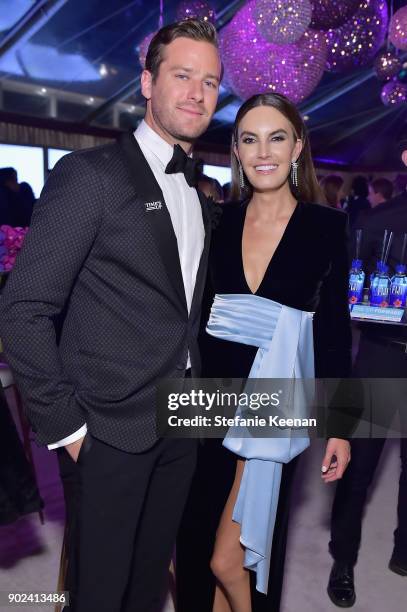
[(308, 271)]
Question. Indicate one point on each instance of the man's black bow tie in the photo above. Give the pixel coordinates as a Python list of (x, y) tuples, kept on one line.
[(181, 162)]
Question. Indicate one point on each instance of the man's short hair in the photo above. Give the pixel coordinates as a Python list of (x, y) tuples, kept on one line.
[(383, 186), (195, 29), (7, 174)]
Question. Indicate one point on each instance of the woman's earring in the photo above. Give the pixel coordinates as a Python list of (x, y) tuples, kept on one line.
[(241, 177), (294, 173)]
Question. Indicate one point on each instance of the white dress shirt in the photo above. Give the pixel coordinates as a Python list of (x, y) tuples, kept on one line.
[(186, 217)]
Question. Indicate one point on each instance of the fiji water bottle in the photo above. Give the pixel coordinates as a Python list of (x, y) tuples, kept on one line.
[(398, 288), (380, 286), (356, 282)]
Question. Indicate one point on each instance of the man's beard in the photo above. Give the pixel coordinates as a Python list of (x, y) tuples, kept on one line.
[(176, 131)]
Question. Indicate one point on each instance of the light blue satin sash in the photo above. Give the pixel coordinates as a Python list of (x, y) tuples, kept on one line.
[(284, 337)]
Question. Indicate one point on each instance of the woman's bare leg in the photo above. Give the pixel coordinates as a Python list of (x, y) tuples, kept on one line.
[(220, 603), (228, 557)]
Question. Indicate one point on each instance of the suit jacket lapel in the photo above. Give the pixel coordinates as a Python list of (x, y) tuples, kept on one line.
[(158, 219), (203, 264)]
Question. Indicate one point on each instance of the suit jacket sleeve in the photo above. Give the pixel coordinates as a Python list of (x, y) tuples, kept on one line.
[(333, 338), (64, 227), (333, 342)]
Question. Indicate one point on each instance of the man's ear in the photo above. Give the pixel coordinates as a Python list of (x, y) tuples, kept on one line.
[(146, 83), (404, 157)]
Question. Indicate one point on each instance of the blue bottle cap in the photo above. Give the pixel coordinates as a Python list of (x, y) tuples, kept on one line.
[(382, 268), (400, 269), (357, 264)]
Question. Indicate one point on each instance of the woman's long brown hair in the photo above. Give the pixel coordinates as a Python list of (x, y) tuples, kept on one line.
[(308, 189)]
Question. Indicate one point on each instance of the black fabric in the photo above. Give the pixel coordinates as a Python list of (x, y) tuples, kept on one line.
[(181, 162), (309, 270), (377, 358), (99, 274), (196, 538), (357, 206), (125, 510), (350, 500), (373, 361)]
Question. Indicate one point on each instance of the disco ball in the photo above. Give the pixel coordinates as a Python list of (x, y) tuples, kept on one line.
[(253, 65), (387, 65), (402, 75), (283, 21), (328, 14), (398, 29), (394, 93), (195, 9), (142, 48), (245, 54), (356, 43)]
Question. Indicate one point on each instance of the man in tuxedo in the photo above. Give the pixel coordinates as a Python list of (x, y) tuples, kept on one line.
[(380, 191), (382, 354), (104, 301)]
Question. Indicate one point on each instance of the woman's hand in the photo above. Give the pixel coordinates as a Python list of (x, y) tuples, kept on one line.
[(333, 468)]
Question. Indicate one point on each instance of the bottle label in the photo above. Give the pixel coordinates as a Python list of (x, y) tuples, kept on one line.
[(379, 291), (398, 291), (355, 293)]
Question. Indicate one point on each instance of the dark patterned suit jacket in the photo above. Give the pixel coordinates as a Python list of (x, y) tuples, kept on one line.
[(94, 312)]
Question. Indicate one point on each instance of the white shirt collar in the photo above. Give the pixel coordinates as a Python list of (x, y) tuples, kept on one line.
[(154, 143)]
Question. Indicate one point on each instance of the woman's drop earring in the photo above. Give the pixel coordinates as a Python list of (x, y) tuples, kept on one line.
[(294, 173), (241, 177)]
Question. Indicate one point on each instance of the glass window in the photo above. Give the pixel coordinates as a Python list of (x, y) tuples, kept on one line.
[(55, 155), (29, 163), (220, 173)]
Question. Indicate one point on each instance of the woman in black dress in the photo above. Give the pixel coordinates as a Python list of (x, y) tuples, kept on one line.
[(280, 245)]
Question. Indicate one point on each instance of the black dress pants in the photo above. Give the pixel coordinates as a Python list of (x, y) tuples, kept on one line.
[(210, 489), (350, 499), (123, 513), (377, 361)]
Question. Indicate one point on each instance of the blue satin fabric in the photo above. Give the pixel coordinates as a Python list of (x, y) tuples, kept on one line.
[(284, 337)]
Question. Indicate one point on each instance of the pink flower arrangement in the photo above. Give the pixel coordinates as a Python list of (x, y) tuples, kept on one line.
[(11, 241)]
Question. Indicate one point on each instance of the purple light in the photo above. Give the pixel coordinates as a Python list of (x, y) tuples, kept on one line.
[(327, 160), (195, 9), (328, 14), (283, 22), (398, 29), (254, 65), (387, 65), (394, 93), (356, 43)]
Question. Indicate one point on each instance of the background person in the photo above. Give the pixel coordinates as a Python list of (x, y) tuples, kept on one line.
[(380, 191), (332, 187), (382, 354)]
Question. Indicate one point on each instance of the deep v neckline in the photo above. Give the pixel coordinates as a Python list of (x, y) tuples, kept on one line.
[(283, 236)]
